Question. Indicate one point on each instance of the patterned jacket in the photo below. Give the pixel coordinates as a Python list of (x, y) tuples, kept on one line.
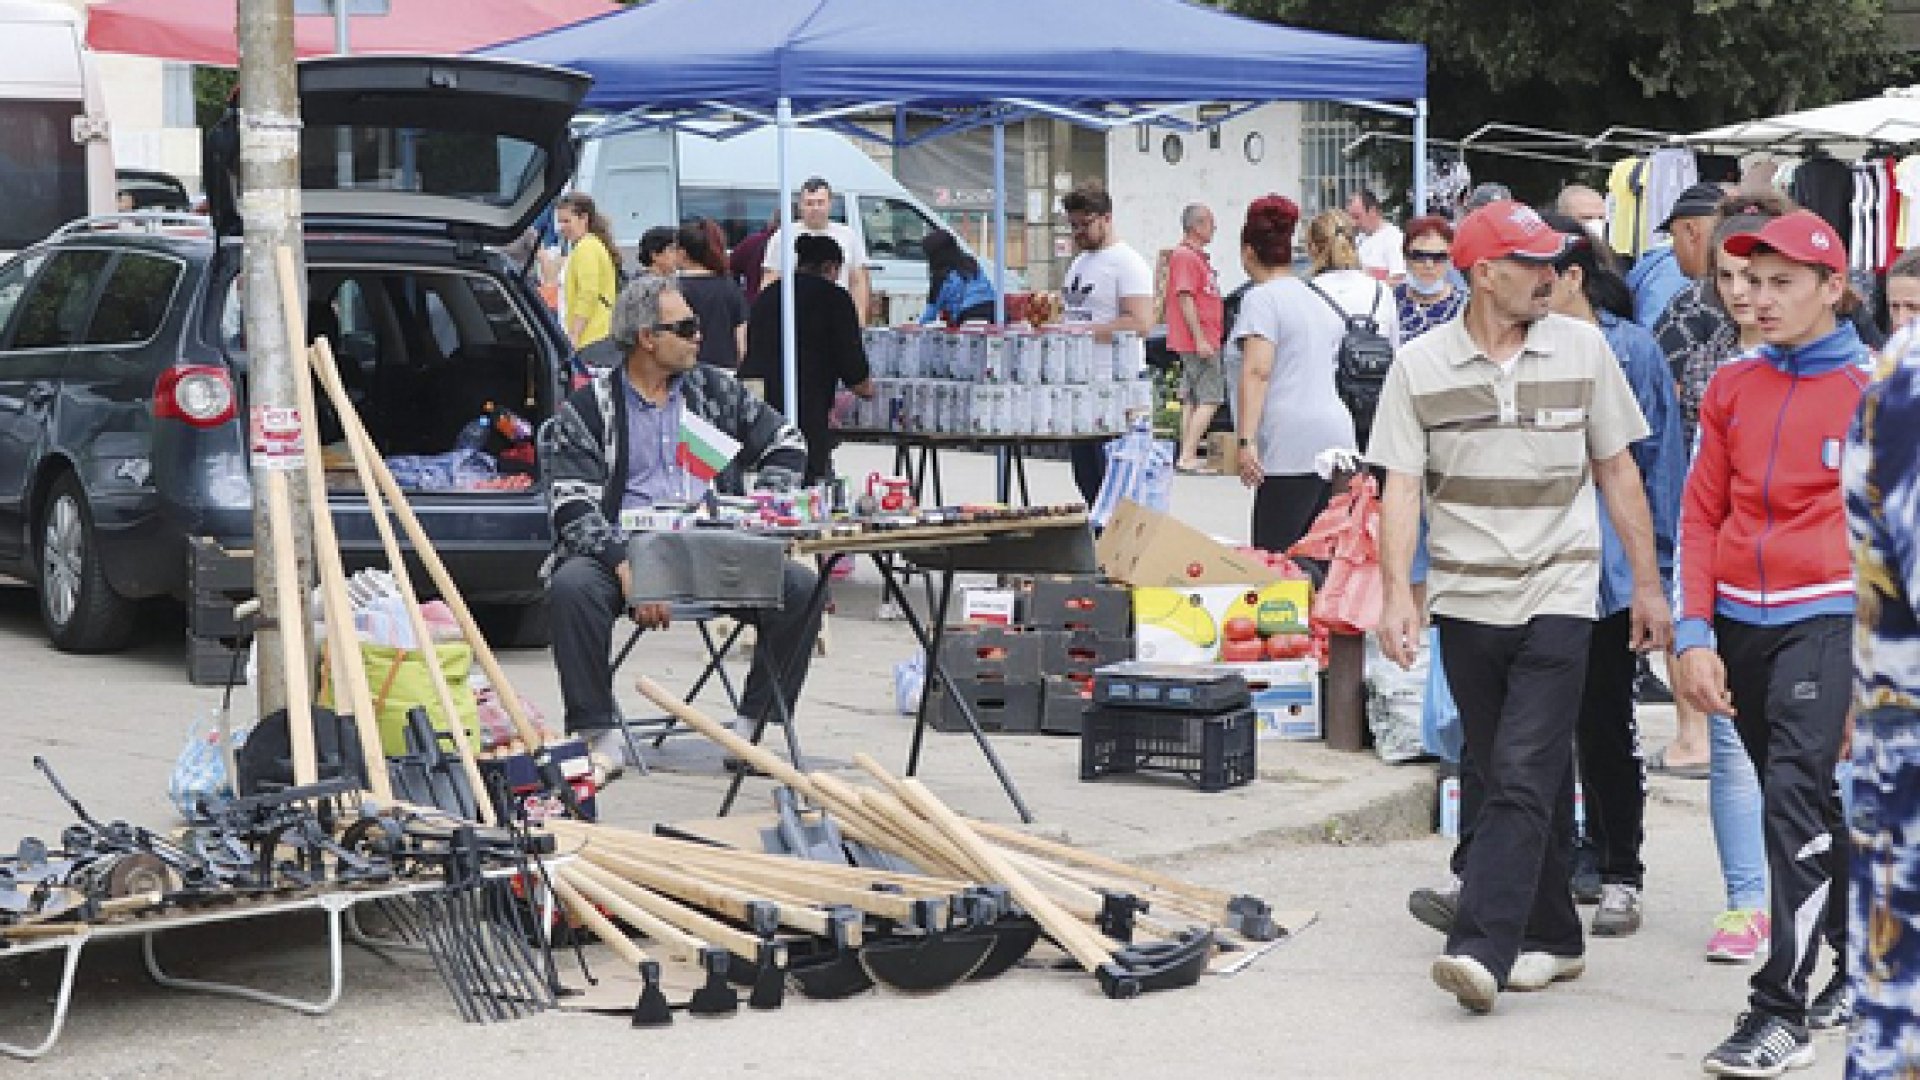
[(1698, 336), (584, 453), (1882, 481)]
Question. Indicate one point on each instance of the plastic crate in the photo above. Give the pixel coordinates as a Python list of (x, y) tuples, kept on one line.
[(1214, 752), (1007, 707), (1063, 703), (1081, 603)]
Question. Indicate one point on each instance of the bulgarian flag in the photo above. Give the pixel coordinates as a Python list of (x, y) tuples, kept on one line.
[(704, 450)]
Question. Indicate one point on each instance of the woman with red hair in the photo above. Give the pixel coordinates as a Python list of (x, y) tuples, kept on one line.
[(1429, 297)]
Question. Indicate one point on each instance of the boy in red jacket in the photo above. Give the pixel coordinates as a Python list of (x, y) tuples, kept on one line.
[(1767, 584)]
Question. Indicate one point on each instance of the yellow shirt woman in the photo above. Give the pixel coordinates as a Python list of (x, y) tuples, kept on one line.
[(590, 291)]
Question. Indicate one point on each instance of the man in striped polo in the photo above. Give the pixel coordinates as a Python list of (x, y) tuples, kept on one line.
[(1507, 418)]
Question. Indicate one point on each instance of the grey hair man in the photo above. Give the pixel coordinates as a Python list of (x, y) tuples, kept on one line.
[(621, 446), (1586, 206), (1195, 313), (816, 219)]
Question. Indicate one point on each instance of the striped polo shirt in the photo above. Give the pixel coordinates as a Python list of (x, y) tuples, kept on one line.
[(1505, 452)]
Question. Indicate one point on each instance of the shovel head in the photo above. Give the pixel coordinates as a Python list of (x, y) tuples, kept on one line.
[(651, 1010), (1013, 937), (828, 975), (924, 963)]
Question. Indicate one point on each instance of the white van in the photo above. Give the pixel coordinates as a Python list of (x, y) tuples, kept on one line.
[(654, 176), (56, 163)]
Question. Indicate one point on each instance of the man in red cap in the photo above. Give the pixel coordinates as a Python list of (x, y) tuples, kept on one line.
[(1508, 416), (1767, 598)]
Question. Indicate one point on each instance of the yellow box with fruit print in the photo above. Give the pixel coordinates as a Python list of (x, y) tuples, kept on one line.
[(1235, 624)]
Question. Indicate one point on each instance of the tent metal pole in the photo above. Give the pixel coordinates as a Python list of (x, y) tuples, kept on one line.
[(789, 348), (1420, 157), (1002, 472)]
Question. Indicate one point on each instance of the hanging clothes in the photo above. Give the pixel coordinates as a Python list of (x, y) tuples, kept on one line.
[(1865, 249), (1825, 186), (1893, 203), (1670, 171), (1907, 180), (1624, 187)]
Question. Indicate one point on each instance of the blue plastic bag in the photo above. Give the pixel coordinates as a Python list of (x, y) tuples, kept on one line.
[(1439, 717)]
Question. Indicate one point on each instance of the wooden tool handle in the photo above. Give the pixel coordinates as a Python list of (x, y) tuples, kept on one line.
[(665, 909), (735, 904), (1014, 838), (754, 755), (291, 615), (677, 943), (364, 457), (1073, 935), (589, 916), (922, 845), (423, 545), (343, 644)]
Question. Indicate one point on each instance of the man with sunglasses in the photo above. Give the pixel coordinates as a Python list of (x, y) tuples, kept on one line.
[(614, 447)]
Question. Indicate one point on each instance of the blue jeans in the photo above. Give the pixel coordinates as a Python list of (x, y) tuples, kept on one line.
[(1734, 799)]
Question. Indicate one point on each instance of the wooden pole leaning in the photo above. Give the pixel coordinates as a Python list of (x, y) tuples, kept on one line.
[(323, 362), (364, 456), (291, 615), (343, 644)]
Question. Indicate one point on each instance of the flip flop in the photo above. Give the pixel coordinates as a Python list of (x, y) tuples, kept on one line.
[(1657, 763)]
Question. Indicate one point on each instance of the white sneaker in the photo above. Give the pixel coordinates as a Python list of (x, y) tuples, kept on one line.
[(1539, 970), (610, 744), (1470, 983)]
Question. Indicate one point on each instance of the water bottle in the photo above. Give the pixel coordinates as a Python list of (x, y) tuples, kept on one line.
[(473, 435)]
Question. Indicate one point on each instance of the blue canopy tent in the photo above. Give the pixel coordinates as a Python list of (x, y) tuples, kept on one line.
[(1098, 63)]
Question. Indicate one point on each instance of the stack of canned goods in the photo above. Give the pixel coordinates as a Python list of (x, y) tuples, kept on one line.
[(981, 380)]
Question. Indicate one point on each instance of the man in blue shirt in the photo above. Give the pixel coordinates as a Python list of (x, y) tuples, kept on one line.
[(1661, 273)]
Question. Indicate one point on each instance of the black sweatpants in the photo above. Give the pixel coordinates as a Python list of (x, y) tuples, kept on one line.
[(1512, 685), (1612, 775), (585, 601), (1284, 508), (1791, 687)]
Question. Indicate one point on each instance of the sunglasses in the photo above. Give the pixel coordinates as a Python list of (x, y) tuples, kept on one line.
[(688, 327), (1427, 256)]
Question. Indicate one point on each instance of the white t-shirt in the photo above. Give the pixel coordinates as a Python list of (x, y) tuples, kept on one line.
[(1097, 282), (1304, 414), (1380, 253), (854, 251)]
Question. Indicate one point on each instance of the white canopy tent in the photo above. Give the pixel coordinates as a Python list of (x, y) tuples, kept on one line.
[(1890, 119)]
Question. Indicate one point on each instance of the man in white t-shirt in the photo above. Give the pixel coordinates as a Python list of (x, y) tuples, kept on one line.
[(1109, 287), (1380, 239), (816, 199)]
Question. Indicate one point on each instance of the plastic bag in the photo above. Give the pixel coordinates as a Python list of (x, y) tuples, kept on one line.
[(1140, 468), (200, 772), (909, 682), (1440, 728), (1395, 704), (1347, 536)]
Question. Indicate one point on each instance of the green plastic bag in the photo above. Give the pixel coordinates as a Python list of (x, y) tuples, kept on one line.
[(399, 680)]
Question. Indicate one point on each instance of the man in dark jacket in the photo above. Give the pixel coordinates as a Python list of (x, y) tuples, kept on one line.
[(829, 352), (612, 447)]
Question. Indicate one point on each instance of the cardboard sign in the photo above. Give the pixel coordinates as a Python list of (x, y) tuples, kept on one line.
[(1145, 548), (275, 438)]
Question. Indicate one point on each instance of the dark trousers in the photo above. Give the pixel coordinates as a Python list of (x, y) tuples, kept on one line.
[(1512, 685), (1613, 778), (1791, 688), (585, 601), (1089, 468), (1284, 508)]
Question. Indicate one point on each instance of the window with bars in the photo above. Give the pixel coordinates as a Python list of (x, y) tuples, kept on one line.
[(1327, 176)]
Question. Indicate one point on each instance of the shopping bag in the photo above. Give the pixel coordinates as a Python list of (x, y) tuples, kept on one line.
[(200, 772), (1347, 536), (1140, 468), (1440, 729), (400, 680)]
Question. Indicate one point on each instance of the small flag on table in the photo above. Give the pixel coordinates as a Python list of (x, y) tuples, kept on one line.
[(705, 450)]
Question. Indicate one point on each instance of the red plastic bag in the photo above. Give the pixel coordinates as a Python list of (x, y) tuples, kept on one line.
[(1347, 536)]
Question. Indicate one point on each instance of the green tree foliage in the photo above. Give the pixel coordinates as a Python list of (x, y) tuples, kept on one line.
[(212, 87), (1586, 65)]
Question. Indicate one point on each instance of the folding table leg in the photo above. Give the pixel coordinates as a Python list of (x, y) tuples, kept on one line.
[(935, 670), (716, 665), (334, 905), (816, 604), (61, 1003), (1020, 470)]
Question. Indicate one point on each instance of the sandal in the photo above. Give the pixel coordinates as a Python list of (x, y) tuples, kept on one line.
[(1657, 763)]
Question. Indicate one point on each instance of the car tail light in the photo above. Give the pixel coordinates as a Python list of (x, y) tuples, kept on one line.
[(198, 394)]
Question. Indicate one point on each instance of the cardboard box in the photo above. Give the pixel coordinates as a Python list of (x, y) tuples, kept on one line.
[(1223, 452), (1286, 698), (1188, 626), (1144, 548)]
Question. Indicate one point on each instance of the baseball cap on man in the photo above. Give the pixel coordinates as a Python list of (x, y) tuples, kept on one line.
[(1505, 230), (1803, 236), (1700, 200)]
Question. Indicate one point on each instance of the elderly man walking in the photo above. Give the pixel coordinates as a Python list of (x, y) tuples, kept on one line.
[(1195, 313), (1508, 417)]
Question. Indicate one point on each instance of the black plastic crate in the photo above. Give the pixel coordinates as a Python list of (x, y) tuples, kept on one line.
[(1079, 652), (1064, 702), (1081, 603), (1213, 752), (1009, 707), (210, 661), (1007, 654)]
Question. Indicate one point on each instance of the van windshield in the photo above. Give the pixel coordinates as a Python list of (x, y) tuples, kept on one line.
[(43, 172)]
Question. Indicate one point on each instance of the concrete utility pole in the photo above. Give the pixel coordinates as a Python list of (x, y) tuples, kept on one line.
[(270, 203)]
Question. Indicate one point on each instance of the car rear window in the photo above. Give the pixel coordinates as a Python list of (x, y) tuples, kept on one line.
[(55, 311), (136, 300), (475, 166)]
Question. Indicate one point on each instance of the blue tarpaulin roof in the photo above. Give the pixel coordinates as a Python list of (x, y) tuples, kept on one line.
[(934, 53)]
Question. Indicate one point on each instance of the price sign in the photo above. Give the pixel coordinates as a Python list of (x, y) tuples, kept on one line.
[(276, 438)]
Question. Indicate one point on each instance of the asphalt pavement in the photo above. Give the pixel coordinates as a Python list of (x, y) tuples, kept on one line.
[(1342, 835)]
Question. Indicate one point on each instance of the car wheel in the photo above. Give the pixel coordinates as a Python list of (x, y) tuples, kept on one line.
[(81, 611), (515, 626)]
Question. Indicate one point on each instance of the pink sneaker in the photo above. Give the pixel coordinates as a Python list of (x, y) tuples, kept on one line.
[(1738, 936)]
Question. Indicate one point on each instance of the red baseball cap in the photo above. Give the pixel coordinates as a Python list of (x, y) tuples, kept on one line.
[(1506, 230), (1803, 236)]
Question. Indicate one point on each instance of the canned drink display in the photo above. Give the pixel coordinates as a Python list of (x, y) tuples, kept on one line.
[(1081, 411), (879, 342), (1140, 396), (992, 352), (1079, 369), (1025, 349), (1129, 355), (1053, 357), (906, 352)]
